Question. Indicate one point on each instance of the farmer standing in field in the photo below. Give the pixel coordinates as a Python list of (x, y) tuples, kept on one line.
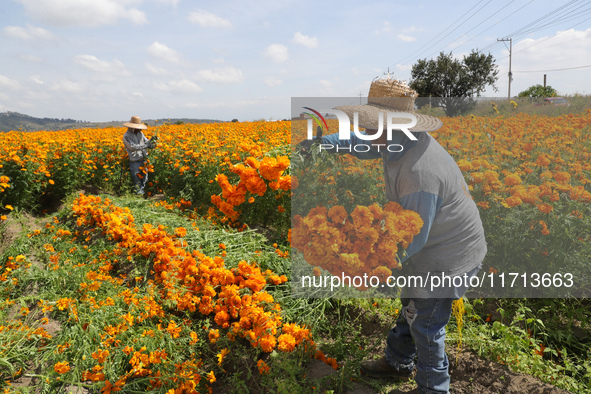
[(424, 178), (137, 145)]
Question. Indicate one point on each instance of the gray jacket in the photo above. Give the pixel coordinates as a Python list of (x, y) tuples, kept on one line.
[(136, 145)]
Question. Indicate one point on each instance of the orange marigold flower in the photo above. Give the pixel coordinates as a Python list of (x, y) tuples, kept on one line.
[(483, 204), (263, 367), (362, 216), (545, 208), (287, 343), (512, 180), (267, 343), (62, 367), (213, 335), (513, 201)]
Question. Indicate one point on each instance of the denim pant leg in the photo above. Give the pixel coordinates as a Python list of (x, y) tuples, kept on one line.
[(428, 330), (420, 331), (400, 346), (134, 168)]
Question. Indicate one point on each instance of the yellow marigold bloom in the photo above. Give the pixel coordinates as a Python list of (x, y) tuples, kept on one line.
[(464, 165), (222, 354), (477, 177), (9, 207), (213, 335)]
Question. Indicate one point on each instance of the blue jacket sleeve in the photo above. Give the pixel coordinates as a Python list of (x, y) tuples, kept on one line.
[(333, 144), (426, 205)]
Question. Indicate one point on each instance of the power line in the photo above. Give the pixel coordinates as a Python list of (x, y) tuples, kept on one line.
[(529, 28), (488, 17), (548, 38), (411, 56), (556, 69), (501, 20)]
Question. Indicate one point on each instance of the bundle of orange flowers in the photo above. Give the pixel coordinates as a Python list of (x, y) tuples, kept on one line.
[(363, 242), (236, 298)]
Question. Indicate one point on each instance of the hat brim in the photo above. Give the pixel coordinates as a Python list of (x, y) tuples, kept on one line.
[(369, 117), (139, 126)]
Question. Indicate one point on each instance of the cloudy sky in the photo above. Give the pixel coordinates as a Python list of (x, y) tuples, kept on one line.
[(103, 60)]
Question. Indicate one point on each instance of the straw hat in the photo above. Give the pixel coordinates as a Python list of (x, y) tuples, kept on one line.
[(390, 95), (135, 123)]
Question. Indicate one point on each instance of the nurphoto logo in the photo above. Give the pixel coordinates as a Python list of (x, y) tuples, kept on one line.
[(345, 129)]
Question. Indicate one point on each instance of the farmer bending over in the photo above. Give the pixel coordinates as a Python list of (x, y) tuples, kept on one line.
[(424, 178)]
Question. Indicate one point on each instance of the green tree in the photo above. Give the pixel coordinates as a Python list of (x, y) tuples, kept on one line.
[(539, 91), (452, 81)]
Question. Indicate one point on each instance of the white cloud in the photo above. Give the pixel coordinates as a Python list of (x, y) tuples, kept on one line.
[(404, 67), (405, 38), (272, 81), (325, 83), (179, 86), (386, 28), (157, 70), (8, 83), (90, 13), (226, 104), (67, 86), (173, 3), (412, 29), (310, 42), (207, 19), (557, 51), (36, 79), (277, 53), (161, 51), (28, 33), (220, 75), (114, 68)]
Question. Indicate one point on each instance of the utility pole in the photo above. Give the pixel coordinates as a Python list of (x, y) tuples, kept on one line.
[(510, 52), (360, 95)]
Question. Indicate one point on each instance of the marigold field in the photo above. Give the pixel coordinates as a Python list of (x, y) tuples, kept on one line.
[(188, 290)]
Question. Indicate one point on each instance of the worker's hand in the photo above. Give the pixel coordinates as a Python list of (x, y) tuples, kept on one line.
[(305, 147), (152, 142)]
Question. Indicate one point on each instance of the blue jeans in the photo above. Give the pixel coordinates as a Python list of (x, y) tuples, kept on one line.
[(134, 168), (420, 332)]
